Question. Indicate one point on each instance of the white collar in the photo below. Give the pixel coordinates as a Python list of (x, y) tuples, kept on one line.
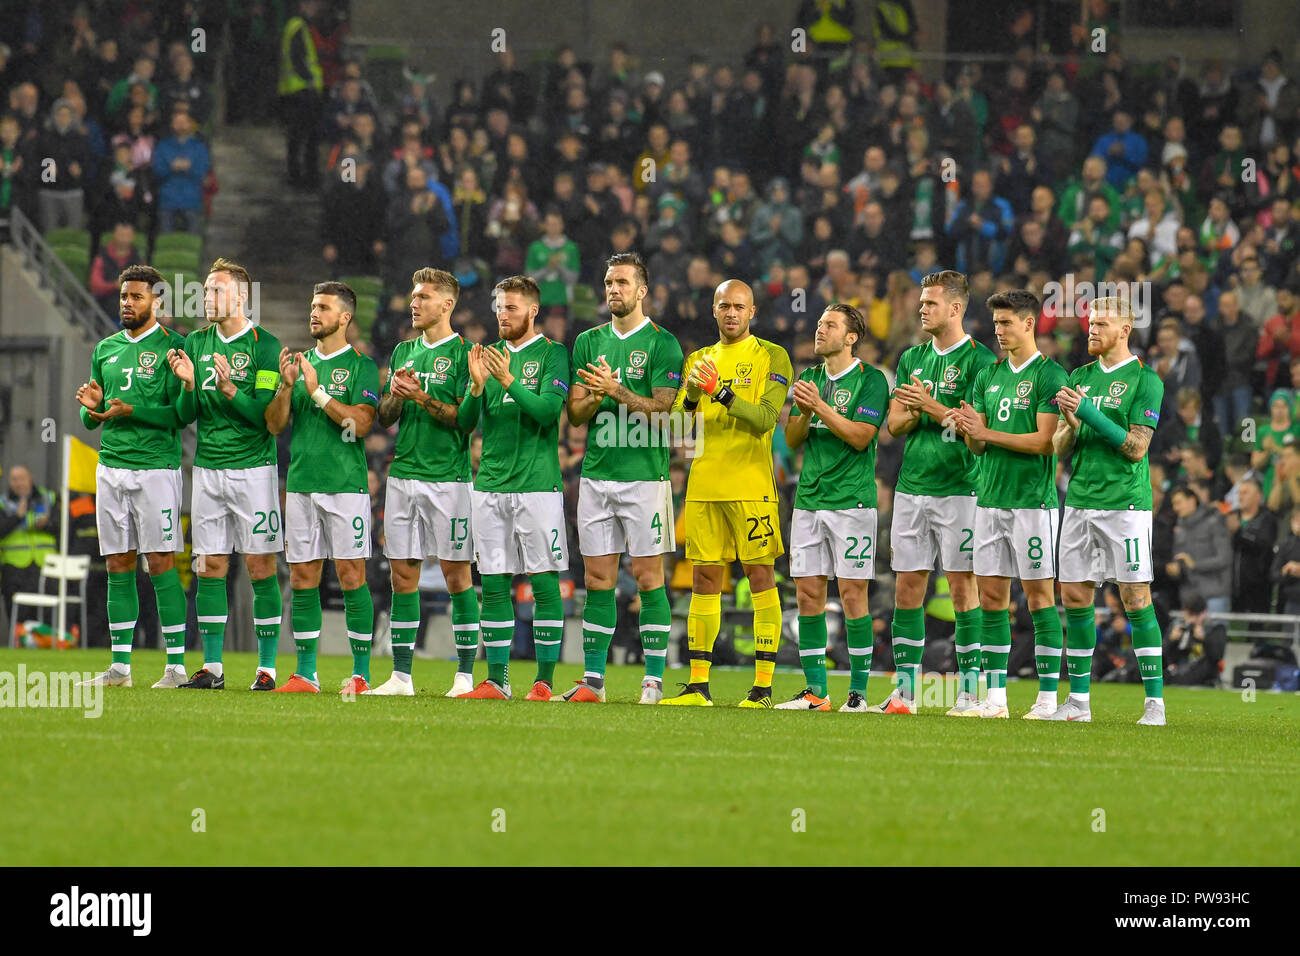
[(440, 342), (1102, 365), (143, 335), (247, 325), (516, 348), (1012, 365), (851, 366), (938, 351), (631, 332), (325, 358)]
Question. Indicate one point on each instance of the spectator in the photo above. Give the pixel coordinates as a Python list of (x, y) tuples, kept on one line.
[(1232, 397), (1159, 226), (1175, 360), (1208, 343), (1093, 243), (15, 169), (471, 205), (1057, 114), (113, 258), (1123, 149), (301, 87), (1218, 232), (29, 530), (778, 225), (733, 256), (122, 194), (179, 164), (1272, 112), (1077, 195), (62, 196), (512, 225), (1202, 561), (1284, 495), (1286, 569), (980, 226), (553, 261), (1029, 251), (1254, 534), (184, 87), (141, 77), (417, 221), (1187, 427), (1223, 172), (670, 263), (1193, 653), (878, 246), (1021, 172), (1197, 469), (1279, 339), (353, 221)]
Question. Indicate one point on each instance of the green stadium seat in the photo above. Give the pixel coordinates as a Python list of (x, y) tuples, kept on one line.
[(585, 304), (178, 242), (364, 285), (176, 261), (367, 313), (68, 237), (77, 259)]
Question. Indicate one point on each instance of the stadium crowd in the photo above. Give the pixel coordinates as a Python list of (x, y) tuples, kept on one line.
[(814, 178)]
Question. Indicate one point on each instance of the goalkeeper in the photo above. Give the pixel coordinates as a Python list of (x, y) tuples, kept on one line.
[(735, 390)]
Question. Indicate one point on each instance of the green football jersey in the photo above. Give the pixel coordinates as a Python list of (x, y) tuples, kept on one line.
[(137, 372), (227, 439), (520, 455), (836, 476), (932, 465), (622, 445), (1011, 400), (428, 450), (322, 457), (1102, 478)]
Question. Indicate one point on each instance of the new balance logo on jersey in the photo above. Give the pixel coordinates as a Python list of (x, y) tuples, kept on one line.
[(994, 388), (112, 359), (206, 357)]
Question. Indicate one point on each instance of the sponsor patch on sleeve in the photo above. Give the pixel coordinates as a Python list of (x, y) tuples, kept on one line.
[(777, 377), (1152, 413), (674, 376), (559, 383), (864, 410), (367, 393)]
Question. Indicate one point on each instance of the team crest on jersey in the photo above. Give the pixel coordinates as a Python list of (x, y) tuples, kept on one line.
[(638, 359), (1024, 388), (841, 398), (951, 374), (441, 364), (1117, 389), (339, 376), (148, 359), (743, 372), (531, 369), (239, 361)]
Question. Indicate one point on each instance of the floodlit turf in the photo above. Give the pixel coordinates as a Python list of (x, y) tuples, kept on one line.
[(306, 780)]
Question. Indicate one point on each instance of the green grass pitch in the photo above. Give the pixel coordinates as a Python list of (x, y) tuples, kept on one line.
[(297, 780)]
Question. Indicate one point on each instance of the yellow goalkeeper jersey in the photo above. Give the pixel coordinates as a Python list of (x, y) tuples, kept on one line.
[(733, 455)]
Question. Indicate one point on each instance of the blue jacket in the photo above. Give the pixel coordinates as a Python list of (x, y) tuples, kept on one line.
[(1120, 169), (450, 240), (986, 246), (180, 190)]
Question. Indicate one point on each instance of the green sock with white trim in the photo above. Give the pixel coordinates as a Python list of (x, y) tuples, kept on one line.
[(996, 648), (861, 640), (465, 629), (498, 625), (908, 633), (1047, 647), (656, 625), (599, 615), (967, 646), (212, 609), (267, 610), (123, 611), (359, 612), (305, 619), (172, 611), (548, 623), (812, 651), (1080, 643), (405, 625), (1148, 646)]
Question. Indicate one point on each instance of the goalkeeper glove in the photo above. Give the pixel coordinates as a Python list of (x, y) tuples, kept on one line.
[(712, 385)]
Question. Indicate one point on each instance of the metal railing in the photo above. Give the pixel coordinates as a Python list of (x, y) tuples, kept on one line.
[(71, 297), (1256, 627)]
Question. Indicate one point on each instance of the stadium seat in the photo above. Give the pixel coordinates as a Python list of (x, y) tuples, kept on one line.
[(138, 245), (364, 285), (77, 259), (68, 237), (178, 242), (178, 260), (367, 312), (585, 304)]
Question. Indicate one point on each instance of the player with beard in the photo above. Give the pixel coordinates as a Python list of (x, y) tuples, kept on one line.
[(131, 395), (230, 371), (332, 393), (628, 369)]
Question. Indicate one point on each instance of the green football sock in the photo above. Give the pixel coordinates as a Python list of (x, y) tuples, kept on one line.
[(861, 640), (171, 614), (359, 611), (1080, 642), (908, 632), (812, 651), (1147, 646), (212, 610), (464, 628), (548, 623), (996, 647), (1047, 647), (123, 610), (599, 616), (656, 624), (267, 608), (498, 626), (405, 624), (304, 618), (967, 641)]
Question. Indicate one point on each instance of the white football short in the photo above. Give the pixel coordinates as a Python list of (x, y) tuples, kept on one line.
[(619, 516), (926, 527), (1015, 543), (1102, 546), (837, 544), (319, 526), (237, 509), (519, 533), (138, 510), (427, 519)]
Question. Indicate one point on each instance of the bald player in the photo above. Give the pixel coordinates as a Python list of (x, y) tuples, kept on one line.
[(734, 389)]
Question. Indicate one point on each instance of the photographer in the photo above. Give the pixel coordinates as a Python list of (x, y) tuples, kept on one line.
[(1195, 646)]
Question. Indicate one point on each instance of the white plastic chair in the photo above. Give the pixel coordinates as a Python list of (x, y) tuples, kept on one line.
[(74, 568)]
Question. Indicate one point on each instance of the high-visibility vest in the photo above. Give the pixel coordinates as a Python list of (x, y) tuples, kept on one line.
[(827, 29), (892, 52), (26, 545), (290, 81), (940, 606)]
